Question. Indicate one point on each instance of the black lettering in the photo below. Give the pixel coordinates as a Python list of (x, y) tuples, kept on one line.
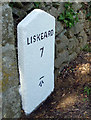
[(38, 37), (49, 32), (34, 38), (31, 40), (41, 82), (42, 36), (45, 34), (52, 32), (41, 77), (28, 41), (42, 49)]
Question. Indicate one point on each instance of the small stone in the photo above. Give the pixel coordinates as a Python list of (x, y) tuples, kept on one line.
[(72, 56), (19, 12), (61, 8), (77, 28), (62, 45), (76, 6), (78, 50), (84, 38), (62, 33), (53, 11), (18, 4), (73, 44), (62, 37), (81, 15), (59, 27), (70, 33), (63, 57), (28, 7)]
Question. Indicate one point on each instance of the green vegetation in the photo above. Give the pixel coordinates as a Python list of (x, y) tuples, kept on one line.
[(88, 16), (87, 48), (36, 4), (69, 17), (87, 91), (11, 4)]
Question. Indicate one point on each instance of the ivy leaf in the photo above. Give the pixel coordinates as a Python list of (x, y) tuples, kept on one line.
[(61, 17), (76, 19), (65, 21), (68, 14), (70, 25), (66, 5), (37, 4)]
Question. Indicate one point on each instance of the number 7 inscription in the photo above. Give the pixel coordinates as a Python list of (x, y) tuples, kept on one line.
[(42, 50)]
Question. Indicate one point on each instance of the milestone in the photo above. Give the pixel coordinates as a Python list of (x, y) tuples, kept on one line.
[(39, 37)]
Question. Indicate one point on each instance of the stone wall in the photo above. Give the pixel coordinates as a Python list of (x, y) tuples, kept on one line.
[(68, 45), (10, 83)]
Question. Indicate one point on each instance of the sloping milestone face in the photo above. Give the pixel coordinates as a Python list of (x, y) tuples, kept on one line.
[(36, 39)]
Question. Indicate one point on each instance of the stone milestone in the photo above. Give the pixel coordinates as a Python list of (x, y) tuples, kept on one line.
[(36, 41)]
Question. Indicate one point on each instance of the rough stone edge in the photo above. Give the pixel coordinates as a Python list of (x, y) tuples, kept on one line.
[(16, 116), (0, 62)]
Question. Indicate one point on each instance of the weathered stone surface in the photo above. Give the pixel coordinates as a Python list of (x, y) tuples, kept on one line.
[(48, 4), (84, 38), (10, 74), (7, 26), (19, 12), (28, 7), (81, 15), (10, 82), (62, 38), (62, 45), (70, 33), (59, 27), (63, 65), (71, 46), (61, 8), (78, 50), (76, 6), (0, 62), (72, 56), (77, 28), (63, 57), (53, 11), (11, 103), (18, 4), (0, 105), (56, 4), (73, 42), (87, 27), (80, 39)]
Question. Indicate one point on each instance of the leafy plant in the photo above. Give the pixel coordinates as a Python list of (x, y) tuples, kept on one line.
[(69, 16), (87, 91), (36, 4), (11, 4)]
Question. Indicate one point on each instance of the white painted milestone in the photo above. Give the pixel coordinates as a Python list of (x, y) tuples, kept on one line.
[(36, 41)]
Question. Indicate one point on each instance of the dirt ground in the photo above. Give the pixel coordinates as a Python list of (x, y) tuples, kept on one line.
[(68, 99)]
